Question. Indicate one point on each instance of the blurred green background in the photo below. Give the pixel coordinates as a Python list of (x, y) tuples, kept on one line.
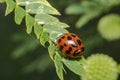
[(22, 58)]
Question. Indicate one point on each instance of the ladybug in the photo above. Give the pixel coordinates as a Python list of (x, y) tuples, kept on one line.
[(70, 45)]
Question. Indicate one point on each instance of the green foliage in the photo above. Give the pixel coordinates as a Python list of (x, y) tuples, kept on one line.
[(40, 7), (19, 14), (39, 17), (100, 67), (29, 23), (90, 9), (46, 28), (38, 30), (10, 6), (54, 31), (46, 19), (109, 27)]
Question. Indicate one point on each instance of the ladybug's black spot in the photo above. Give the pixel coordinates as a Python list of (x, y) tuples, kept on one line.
[(61, 47), (63, 37), (73, 35), (77, 52), (79, 42), (65, 44), (69, 38), (82, 48), (67, 52), (70, 49), (59, 40)]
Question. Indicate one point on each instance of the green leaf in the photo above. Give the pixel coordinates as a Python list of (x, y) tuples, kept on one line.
[(10, 6), (38, 30), (26, 2), (51, 50), (1, 1), (37, 8), (75, 66), (46, 19), (44, 37), (54, 30), (29, 23), (19, 14), (63, 25), (59, 66), (109, 27)]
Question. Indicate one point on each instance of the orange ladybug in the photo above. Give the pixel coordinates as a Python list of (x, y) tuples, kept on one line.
[(70, 45)]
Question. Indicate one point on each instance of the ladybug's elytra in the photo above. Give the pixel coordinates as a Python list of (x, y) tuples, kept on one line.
[(70, 45)]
